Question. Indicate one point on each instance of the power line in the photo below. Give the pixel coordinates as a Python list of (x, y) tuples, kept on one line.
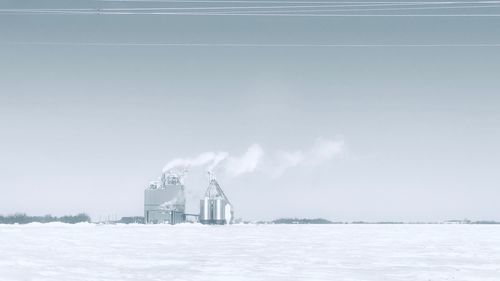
[(281, 10), (48, 10), (276, 14), (375, 9), (292, 13), (250, 14), (304, 2), (265, 45)]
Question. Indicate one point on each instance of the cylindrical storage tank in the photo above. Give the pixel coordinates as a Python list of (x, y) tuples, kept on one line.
[(204, 210), (219, 210)]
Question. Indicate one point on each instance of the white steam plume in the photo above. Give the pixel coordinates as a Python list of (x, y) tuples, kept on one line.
[(200, 160), (219, 157), (322, 151), (247, 163), (256, 160)]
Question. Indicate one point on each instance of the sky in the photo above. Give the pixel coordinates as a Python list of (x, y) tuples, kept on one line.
[(376, 118)]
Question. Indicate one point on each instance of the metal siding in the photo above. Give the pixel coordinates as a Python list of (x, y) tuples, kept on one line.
[(153, 198)]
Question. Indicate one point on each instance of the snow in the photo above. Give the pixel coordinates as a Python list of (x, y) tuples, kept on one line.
[(249, 252)]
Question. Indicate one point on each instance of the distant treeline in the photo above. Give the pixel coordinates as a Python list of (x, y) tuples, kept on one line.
[(21, 218), (301, 221), (325, 221), (128, 220), (485, 222), (24, 219), (443, 222)]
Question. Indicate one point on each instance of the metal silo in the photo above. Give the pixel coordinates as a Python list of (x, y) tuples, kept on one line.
[(204, 209), (215, 207), (219, 211)]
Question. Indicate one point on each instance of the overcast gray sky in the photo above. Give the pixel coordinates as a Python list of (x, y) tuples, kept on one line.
[(85, 127)]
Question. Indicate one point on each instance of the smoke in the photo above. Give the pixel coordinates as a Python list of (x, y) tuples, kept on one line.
[(247, 163), (322, 150), (200, 160), (169, 205), (283, 161), (255, 159), (217, 159)]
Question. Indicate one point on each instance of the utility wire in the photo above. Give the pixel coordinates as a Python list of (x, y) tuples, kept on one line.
[(303, 2), (374, 9), (241, 7), (275, 14), (265, 45), (279, 8), (300, 13), (286, 10), (244, 7)]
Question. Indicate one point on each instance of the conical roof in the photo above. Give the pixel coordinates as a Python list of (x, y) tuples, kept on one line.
[(215, 191)]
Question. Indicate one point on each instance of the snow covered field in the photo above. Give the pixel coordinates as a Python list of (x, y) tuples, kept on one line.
[(249, 252)]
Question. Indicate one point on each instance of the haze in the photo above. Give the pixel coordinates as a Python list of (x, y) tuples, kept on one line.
[(84, 128)]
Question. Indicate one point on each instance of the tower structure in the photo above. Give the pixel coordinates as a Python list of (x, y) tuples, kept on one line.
[(164, 200), (215, 208)]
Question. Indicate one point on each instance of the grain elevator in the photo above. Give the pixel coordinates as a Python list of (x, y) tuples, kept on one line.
[(164, 200), (215, 208)]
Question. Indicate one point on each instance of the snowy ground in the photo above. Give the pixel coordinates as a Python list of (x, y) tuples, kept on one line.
[(249, 252)]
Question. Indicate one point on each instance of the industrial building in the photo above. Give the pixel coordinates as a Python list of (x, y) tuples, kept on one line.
[(215, 208), (164, 200), (165, 203)]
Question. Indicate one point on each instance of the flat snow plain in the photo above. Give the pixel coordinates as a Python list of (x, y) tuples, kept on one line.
[(249, 252)]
